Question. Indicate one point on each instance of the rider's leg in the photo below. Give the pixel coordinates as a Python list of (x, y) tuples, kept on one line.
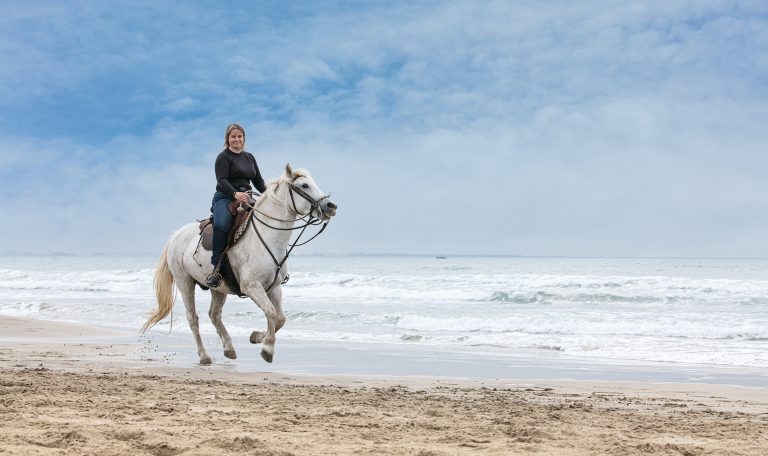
[(222, 222)]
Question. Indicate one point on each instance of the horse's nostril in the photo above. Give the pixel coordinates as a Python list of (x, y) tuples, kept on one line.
[(331, 205)]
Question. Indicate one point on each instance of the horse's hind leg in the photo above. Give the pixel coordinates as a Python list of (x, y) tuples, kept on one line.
[(187, 290), (217, 303)]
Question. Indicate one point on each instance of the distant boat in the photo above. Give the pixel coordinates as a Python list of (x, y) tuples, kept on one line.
[(440, 257)]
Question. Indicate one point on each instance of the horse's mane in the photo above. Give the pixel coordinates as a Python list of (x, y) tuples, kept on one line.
[(274, 185)]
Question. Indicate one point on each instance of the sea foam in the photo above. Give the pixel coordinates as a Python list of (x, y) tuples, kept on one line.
[(700, 311)]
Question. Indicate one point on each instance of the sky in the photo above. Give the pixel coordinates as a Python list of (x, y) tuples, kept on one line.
[(589, 128)]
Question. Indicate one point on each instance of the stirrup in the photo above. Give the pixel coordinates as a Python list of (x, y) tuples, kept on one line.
[(213, 280)]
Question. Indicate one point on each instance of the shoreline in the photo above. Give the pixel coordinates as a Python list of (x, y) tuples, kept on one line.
[(316, 358), (74, 389)]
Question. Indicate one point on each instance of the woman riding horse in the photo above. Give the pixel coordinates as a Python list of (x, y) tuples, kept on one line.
[(258, 260), (235, 170)]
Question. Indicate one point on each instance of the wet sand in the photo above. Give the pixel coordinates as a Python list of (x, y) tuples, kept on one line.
[(69, 389)]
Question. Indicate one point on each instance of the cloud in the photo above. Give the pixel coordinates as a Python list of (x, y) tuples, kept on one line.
[(560, 128), (181, 104)]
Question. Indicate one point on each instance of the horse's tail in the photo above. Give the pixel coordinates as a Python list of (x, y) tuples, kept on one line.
[(163, 284)]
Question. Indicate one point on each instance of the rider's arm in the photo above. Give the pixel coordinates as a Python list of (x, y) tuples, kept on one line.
[(222, 175), (258, 181)]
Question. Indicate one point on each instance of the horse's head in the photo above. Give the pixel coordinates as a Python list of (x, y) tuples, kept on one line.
[(307, 197)]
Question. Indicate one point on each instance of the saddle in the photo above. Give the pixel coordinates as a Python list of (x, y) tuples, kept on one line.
[(239, 210)]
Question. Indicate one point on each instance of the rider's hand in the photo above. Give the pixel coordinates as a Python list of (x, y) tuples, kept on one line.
[(241, 196)]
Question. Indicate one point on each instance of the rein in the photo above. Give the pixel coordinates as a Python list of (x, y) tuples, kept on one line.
[(310, 220)]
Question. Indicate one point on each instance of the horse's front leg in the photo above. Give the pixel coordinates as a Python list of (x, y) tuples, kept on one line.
[(217, 303), (259, 296), (276, 296)]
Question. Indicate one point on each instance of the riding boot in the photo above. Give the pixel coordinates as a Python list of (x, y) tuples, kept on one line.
[(219, 244)]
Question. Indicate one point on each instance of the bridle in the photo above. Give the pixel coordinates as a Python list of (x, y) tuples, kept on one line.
[(307, 218), (314, 203)]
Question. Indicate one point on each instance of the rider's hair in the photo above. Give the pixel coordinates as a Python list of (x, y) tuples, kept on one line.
[(231, 127)]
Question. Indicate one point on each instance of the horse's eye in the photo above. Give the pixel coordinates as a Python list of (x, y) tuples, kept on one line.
[(304, 185)]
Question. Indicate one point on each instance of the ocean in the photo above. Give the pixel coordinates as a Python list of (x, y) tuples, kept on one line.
[(692, 311)]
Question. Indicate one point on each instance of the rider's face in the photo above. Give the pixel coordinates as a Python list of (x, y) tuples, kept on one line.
[(236, 139)]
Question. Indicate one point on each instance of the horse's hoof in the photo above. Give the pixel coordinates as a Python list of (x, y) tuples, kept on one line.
[(257, 337), (230, 354), (205, 361), (267, 356)]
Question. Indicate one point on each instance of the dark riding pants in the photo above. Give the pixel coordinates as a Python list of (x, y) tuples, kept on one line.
[(222, 222)]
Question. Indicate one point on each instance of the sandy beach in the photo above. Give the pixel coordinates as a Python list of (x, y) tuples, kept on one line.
[(69, 389)]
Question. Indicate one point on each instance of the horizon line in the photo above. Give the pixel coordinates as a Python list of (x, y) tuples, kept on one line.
[(400, 254)]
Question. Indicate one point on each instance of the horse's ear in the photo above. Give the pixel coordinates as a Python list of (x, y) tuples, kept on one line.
[(288, 170)]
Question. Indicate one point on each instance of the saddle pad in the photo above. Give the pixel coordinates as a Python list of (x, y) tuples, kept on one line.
[(240, 218)]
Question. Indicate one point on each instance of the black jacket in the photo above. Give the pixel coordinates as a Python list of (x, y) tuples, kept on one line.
[(235, 172)]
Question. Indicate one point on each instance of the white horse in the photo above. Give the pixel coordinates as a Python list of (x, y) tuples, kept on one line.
[(255, 261)]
